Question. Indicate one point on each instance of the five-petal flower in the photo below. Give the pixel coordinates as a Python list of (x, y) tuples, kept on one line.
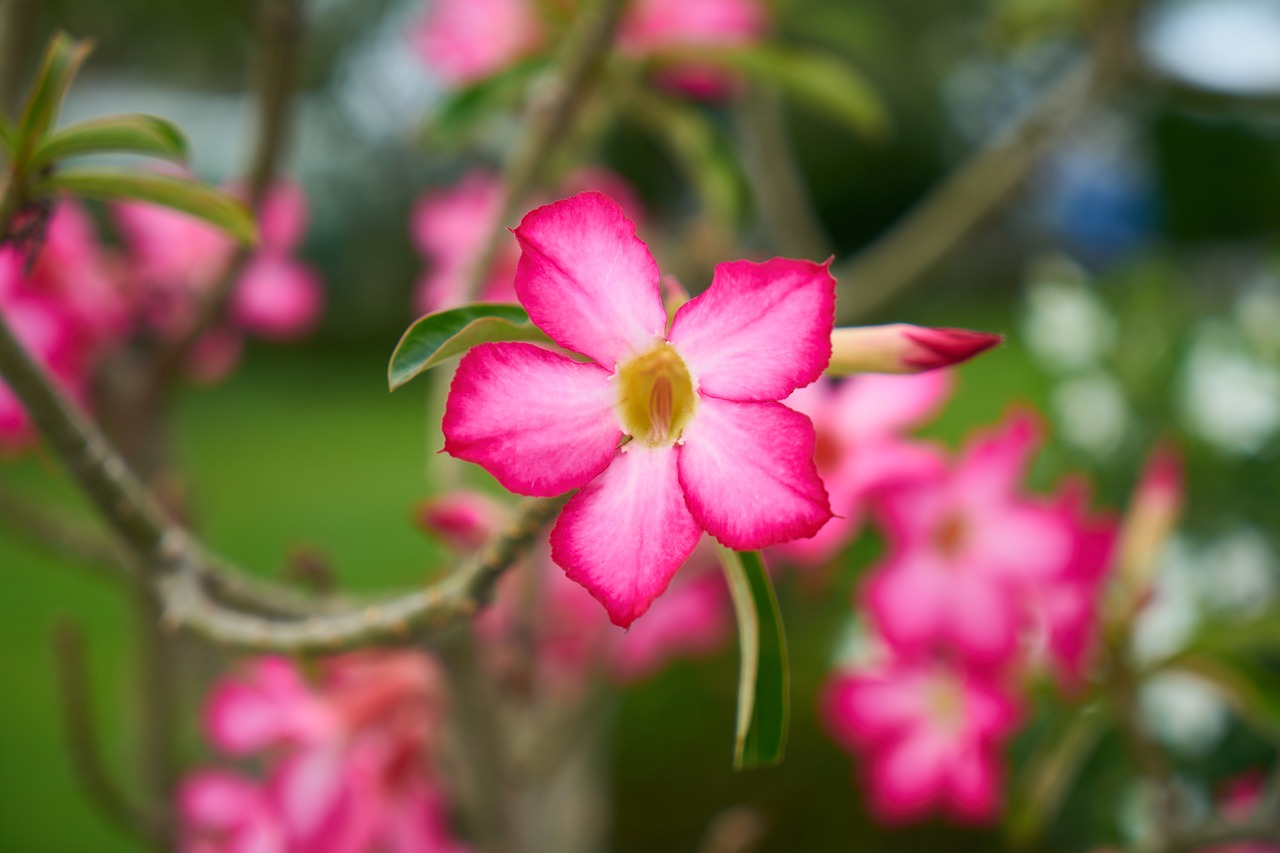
[(665, 432)]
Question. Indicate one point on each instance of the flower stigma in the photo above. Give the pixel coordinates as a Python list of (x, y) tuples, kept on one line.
[(656, 399)]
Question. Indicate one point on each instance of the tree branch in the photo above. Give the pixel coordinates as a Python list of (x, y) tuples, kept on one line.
[(86, 757)]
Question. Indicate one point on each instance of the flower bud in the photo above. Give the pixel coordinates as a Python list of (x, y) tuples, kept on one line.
[(903, 348)]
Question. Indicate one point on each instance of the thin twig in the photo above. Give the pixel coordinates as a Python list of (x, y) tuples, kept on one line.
[(61, 537), (86, 756), (939, 223), (780, 194)]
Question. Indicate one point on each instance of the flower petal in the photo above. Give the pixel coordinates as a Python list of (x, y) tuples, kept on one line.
[(876, 405), (540, 423), (587, 280), (747, 472), (760, 331), (627, 532)]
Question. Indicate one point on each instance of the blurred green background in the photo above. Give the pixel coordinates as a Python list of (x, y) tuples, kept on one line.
[(1134, 274)]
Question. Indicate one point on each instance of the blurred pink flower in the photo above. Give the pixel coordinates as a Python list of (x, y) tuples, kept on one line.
[(226, 813), (930, 736), (177, 259), (467, 40), (860, 447), (721, 455), (574, 639), (350, 758), (966, 547), (450, 229), (463, 519), (53, 336), (652, 26), (1240, 799)]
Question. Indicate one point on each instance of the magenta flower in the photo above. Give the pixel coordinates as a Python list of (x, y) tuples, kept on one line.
[(176, 259), (665, 433), (463, 520), (226, 813), (652, 26), (349, 758), (449, 229), (930, 736), (573, 639), (965, 549), (861, 450), (468, 40)]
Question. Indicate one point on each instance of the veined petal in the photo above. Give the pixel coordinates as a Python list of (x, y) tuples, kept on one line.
[(748, 474), (873, 405), (587, 280), (627, 532), (760, 331), (540, 423)]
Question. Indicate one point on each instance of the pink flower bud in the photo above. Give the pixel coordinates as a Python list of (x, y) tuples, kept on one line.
[(903, 348), (462, 520), (277, 298)]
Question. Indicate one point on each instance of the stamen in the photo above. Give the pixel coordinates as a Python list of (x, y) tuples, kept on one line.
[(660, 410)]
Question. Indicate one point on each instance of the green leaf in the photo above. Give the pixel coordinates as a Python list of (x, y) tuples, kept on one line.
[(1253, 689), (821, 82), (764, 689), (183, 194), (62, 59), (131, 134), (436, 338), (1045, 779), (462, 110), (1256, 634)]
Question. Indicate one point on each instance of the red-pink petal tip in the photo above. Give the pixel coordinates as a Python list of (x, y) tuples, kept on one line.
[(945, 347)]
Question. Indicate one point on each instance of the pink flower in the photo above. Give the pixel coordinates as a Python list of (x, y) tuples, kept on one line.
[(573, 639), (930, 736), (463, 520), (450, 229), (860, 448), (1240, 799), (965, 548), (276, 297), (468, 40), (350, 758), (655, 25), (177, 260), (710, 447), (227, 813)]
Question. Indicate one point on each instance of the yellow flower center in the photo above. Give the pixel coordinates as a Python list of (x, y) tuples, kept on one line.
[(656, 399)]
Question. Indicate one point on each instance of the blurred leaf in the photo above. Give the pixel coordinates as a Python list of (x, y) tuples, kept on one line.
[(435, 338), (764, 690), (1040, 786), (131, 134), (1252, 688), (6, 133), (463, 109), (822, 82), (1257, 634), (62, 59), (184, 194), (698, 149)]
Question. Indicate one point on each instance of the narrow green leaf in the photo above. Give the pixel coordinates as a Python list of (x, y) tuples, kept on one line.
[(821, 82), (436, 338), (129, 134), (1044, 780), (764, 689), (463, 110), (1253, 689), (7, 134), (62, 59), (189, 196)]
